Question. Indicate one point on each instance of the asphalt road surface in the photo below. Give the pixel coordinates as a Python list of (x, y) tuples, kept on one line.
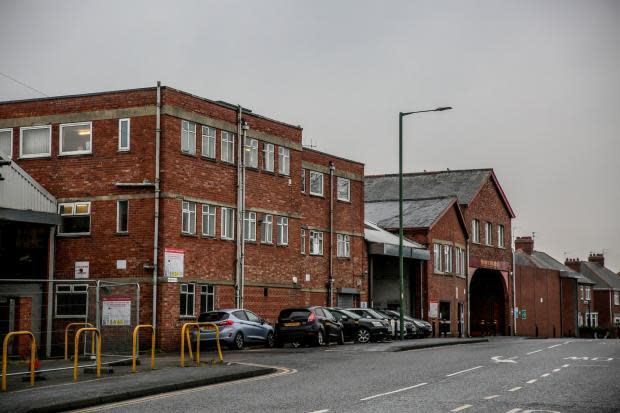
[(508, 375)]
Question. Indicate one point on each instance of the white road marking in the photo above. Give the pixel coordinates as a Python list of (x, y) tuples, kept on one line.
[(393, 391), (491, 397), (515, 388), (545, 375), (463, 407), (497, 359), (556, 370), (566, 365), (320, 411), (513, 411), (532, 352), (531, 381), (464, 371), (557, 345)]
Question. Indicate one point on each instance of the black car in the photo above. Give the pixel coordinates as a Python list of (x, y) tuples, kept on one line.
[(310, 325), (370, 314), (410, 329), (360, 329), (414, 328)]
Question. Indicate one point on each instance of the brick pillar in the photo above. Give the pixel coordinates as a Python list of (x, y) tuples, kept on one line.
[(23, 316)]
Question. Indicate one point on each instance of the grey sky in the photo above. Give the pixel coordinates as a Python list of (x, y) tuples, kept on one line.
[(535, 85)]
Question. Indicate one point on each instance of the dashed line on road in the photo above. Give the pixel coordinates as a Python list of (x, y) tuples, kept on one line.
[(515, 388), (463, 407), (320, 411), (545, 375), (556, 370), (393, 391), (492, 397), (531, 381), (557, 345), (464, 371), (532, 352), (565, 365)]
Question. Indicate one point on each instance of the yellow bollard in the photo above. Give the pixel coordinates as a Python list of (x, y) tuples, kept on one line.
[(185, 335), (85, 324), (135, 346), (33, 355), (77, 343)]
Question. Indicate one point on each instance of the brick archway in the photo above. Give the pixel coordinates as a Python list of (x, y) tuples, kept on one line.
[(488, 303)]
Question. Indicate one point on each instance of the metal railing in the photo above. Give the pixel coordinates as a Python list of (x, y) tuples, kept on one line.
[(134, 353), (33, 354), (77, 342), (84, 324), (185, 334)]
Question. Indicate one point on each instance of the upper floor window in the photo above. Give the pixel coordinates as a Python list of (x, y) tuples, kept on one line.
[(303, 180), (588, 293), (6, 142), (124, 134), (344, 189), (447, 252), (249, 226), (268, 153), (122, 214), (284, 161), (316, 183), (282, 231), (250, 156), (303, 241), (76, 138), (188, 218), (188, 137), (475, 231), (266, 228), (208, 142), (462, 255), (458, 268), (344, 246), (228, 147), (500, 236), (581, 292), (208, 220), (437, 267), (228, 223), (616, 298), (316, 243), (35, 142), (488, 233), (75, 218)]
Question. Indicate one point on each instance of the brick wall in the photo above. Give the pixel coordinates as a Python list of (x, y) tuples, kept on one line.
[(538, 293)]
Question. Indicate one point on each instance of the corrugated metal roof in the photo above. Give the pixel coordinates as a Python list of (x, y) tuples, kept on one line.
[(419, 213), (603, 277), (539, 259), (382, 242)]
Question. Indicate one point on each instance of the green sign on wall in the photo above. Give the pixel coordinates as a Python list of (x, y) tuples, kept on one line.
[(523, 314)]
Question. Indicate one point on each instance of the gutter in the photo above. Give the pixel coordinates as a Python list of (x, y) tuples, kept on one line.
[(157, 196), (330, 284)]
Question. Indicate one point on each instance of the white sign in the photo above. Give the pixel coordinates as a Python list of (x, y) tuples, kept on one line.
[(121, 264), (433, 309), (116, 311), (81, 269), (364, 304), (173, 262)]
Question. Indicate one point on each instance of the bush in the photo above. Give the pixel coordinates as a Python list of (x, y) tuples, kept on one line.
[(594, 332)]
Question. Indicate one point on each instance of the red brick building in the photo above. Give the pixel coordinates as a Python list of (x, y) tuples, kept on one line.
[(148, 183)]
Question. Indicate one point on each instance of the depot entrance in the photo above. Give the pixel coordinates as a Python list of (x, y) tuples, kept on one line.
[(489, 298)]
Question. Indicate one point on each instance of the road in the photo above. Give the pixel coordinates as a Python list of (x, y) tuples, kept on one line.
[(510, 375)]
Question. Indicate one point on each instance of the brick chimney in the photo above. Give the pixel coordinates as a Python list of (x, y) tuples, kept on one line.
[(573, 263), (525, 244), (598, 258)]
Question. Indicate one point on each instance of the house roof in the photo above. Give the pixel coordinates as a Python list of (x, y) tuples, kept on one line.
[(603, 277), (539, 259), (463, 184)]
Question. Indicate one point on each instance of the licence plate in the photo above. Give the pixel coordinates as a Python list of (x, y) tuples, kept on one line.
[(296, 324)]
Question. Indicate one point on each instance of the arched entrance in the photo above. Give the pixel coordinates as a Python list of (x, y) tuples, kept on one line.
[(488, 303)]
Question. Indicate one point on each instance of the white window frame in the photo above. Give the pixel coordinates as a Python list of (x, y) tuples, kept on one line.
[(437, 258), (448, 258), (191, 143), (488, 233), (268, 157), (593, 318), (500, 236), (266, 229), (72, 290), (118, 216), (226, 214), (316, 243), (303, 181), (616, 297), (61, 135), (206, 291), (208, 141), (315, 173), (188, 209), (346, 198), (581, 289), (38, 155), (10, 130), (249, 226), (475, 229), (282, 228), (208, 212), (74, 213), (187, 293), (250, 154), (588, 294), (343, 249), (303, 241), (121, 148), (227, 154), (284, 160)]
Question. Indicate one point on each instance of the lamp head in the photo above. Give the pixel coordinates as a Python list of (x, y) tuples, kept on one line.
[(442, 108)]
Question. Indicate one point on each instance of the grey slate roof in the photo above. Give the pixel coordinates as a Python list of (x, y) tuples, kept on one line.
[(463, 184), (419, 213), (543, 260), (603, 277)]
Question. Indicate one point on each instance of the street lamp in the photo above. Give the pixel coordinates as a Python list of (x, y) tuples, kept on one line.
[(401, 115)]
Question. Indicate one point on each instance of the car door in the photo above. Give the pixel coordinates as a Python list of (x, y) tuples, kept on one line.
[(334, 325), (259, 330), (246, 326)]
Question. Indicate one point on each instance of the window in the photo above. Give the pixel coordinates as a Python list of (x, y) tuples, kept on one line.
[(250, 156), (303, 241), (488, 233), (71, 300), (282, 231), (6, 142), (284, 160), (187, 300), (228, 223), (75, 218), (462, 254), (475, 231), (500, 236), (228, 147), (207, 298), (122, 212), (588, 293), (344, 189), (266, 229), (208, 220), (249, 226), (268, 157), (188, 137), (316, 183), (189, 218), (208, 142), (459, 266), (316, 243), (123, 134), (616, 298), (303, 180), (437, 257), (343, 246), (581, 292), (592, 319), (580, 319), (75, 138), (252, 317), (447, 252), (35, 142)]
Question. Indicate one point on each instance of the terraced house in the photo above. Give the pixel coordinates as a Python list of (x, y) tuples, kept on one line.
[(180, 204)]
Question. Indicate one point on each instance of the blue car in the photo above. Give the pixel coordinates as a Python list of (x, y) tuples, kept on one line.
[(237, 327)]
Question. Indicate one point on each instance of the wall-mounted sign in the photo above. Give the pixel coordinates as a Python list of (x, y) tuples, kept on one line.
[(523, 314), (433, 309), (121, 264), (116, 311), (81, 269), (173, 262), (364, 304)]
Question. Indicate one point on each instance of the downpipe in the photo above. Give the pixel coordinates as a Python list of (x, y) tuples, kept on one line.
[(330, 284), (157, 196)]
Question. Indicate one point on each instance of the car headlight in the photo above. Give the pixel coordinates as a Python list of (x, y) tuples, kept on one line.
[(377, 324)]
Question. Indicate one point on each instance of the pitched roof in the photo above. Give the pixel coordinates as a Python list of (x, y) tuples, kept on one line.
[(464, 184), (539, 259), (603, 277)]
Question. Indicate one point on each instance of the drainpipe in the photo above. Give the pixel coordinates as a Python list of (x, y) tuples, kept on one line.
[(421, 290), (561, 307), (51, 259), (240, 184), (514, 294), (245, 127), (330, 285), (157, 196), (468, 290)]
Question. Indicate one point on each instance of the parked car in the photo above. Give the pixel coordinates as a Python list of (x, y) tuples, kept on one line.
[(369, 313), (308, 325), (360, 329), (422, 328), (411, 331), (237, 327)]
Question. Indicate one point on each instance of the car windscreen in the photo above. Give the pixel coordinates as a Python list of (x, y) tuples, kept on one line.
[(375, 314), (298, 314), (350, 314), (212, 316)]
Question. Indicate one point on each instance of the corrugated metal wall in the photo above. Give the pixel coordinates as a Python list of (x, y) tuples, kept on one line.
[(20, 191)]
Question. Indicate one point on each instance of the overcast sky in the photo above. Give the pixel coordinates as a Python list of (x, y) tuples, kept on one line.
[(535, 85)]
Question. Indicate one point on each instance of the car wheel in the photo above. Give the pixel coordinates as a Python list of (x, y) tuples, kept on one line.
[(341, 338), (238, 342), (269, 341), (362, 335), (320, 338)]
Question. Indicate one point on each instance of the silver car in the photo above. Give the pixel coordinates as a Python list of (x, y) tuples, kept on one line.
[(237, 327)]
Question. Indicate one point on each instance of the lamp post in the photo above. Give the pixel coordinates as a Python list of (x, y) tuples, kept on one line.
[(401, 115)]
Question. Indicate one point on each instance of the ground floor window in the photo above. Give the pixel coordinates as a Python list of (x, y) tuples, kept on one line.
[(592, 319), (71, 300), (187, 299), (207, 298)]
